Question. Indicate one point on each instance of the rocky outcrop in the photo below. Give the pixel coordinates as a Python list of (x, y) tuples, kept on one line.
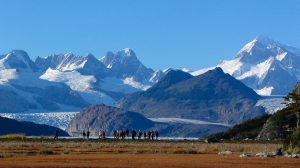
[(102, 117), (270, 131)]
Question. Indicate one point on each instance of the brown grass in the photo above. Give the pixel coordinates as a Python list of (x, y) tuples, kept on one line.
[(111, 153)]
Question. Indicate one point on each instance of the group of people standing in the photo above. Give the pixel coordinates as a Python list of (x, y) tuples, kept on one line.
[(86, 134), (123, 134)]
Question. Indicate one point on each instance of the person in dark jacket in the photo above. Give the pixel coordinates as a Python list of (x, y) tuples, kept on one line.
[(156, 134), (145, 135), (83, 134), (56, 134), (149, 134), (140, 134), (133, 134), (88, 134), (126, 133)]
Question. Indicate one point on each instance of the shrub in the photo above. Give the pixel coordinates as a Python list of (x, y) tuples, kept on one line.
[(13, 137), (46, 152), (292, 143)]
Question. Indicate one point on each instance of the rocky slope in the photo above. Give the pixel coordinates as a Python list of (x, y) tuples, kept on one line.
[(10, 126), (277, 126), (102, 117), (213, 96)]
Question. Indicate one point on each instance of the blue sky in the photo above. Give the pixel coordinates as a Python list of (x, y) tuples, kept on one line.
[(164, 33)]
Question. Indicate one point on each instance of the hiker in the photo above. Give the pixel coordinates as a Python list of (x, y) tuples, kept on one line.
[(152, 135), (100, 134), (83, 134), (149, 134), (56, 134), (133, 134), (127, 133), (156, 134), (115, 133), (145, 134), (103, 134), (123, 133), (88, 134), (140, 134)]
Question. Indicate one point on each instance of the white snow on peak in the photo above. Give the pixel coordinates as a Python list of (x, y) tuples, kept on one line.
[(184, 70), (267, 41), (281, 56), (67, 65), (127, 51), (231, 66), (261, 57), (248, 47), (15, 56), (167, 70), (258, 70), (201, 71)]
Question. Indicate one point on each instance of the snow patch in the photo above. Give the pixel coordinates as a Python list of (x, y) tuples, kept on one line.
[(186, 121), (281, 56), (74, 79), (201, 71), (130, 81), (258, 70), (231, 66), (266, 91), (56, 119)]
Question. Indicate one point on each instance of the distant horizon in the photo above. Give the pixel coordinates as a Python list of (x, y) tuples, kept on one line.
[(177, 34)]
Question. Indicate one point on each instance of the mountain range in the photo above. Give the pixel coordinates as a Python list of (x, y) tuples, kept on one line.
[(228, 93), (68, 82)]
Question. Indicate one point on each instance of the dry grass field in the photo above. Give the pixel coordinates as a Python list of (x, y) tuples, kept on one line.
[(117, 153)]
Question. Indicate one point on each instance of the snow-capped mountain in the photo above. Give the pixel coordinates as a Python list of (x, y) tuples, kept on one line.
[(265, 65), (68, 82), (21, 89), (18, 60), (124, 64), (102, 80)]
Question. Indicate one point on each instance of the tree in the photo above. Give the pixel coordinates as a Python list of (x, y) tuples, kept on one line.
[(293, 101)]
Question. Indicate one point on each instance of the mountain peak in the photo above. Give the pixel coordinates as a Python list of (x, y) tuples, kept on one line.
[(17, 59), (126, 52), (266, 40), (172, 77)]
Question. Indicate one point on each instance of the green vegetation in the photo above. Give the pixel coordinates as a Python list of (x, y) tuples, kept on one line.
[(248, 129), (13, 137), (292, 143)]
